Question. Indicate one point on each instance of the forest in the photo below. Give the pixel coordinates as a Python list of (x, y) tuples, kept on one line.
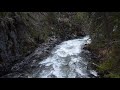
[(32, 42)]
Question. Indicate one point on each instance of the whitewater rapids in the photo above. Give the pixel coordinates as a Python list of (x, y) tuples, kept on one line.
[(65, 61)]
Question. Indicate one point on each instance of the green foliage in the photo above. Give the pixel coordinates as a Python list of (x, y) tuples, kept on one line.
[(3, 14), (81, 16), (112, 75), (107, 65), (105, 34)]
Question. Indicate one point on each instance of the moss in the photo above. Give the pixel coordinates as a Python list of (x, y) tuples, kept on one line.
[(111, 62), (107, 65), (81, 16), (104, 29), (112, 75), (3, 14)]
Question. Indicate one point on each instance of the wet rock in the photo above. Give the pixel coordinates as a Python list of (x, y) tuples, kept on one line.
[(16, 40), (31, 61), (16, 75), (87, 47)]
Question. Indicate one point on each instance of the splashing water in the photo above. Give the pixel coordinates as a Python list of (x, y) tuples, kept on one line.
[(65, 61)]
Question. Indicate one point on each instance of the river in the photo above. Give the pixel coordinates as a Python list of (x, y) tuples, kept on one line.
[(66, 61)]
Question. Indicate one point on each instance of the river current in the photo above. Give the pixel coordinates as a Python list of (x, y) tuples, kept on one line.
[(65, 61)]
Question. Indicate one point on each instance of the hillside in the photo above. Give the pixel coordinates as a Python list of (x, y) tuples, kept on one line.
[(21, 33)]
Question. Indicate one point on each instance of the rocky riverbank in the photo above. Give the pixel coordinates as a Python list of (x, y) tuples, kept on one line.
[(29, 64), (22, 32), (25, 66)]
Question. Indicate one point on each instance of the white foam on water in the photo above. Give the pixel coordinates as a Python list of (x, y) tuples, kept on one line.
[(65, 61)]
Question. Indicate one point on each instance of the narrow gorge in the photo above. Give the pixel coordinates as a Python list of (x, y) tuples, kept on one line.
[(59, 45)]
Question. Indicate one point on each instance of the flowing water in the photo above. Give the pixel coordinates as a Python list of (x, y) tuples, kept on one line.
[(66, 61)]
